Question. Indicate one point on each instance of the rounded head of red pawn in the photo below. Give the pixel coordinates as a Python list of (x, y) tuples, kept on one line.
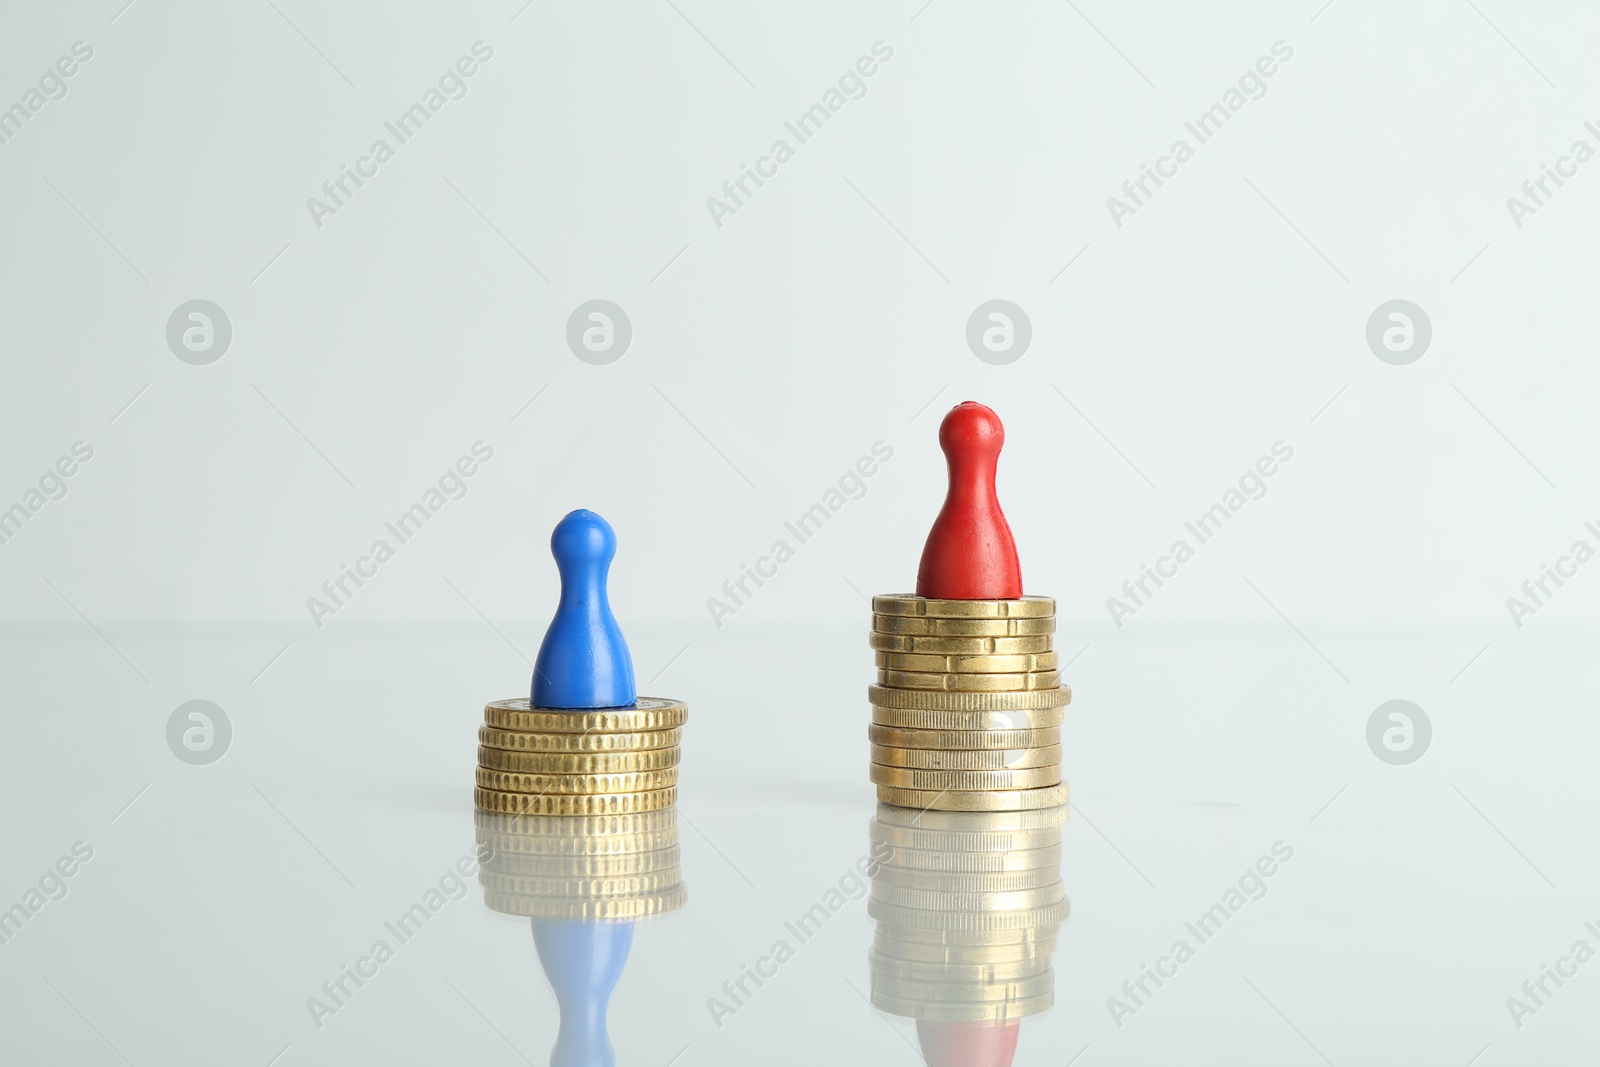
[(970, 553), (971, 429)]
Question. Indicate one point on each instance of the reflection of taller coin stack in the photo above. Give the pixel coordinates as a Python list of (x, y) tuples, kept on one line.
[(967, 712), (968, 910), (583, 882)]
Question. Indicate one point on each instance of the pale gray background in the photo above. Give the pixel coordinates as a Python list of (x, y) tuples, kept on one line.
[(767, 356)]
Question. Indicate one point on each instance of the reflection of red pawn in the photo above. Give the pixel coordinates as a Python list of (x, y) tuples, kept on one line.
[(968, 1044), (970, 554)]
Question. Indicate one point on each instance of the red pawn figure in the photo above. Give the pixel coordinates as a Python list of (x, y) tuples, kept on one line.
[(970, 554)]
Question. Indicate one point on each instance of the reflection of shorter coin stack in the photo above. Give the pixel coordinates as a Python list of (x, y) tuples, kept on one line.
[(966, 715), (605, 761), (602, 867), (583, 882), (968, 911)]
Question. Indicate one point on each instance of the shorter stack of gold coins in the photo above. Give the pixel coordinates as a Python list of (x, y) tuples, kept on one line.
[(600, 867), (966, 715), (968, 910), (557, 761)]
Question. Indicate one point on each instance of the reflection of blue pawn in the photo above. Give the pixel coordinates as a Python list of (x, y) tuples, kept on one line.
[(583, 960), (583, 662)]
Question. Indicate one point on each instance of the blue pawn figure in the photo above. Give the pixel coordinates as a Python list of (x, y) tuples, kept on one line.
[(583, 662), (583, 960)]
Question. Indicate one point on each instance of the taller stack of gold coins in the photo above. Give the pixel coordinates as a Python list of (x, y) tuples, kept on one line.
[(559, 761), (967, 710)]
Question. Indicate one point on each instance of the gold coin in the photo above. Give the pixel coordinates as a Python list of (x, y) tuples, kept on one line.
[(990, 863), (1007, 900), (975, 973), (979, 1012), (615, 908), (648, 713), (970, 683), (910, 942), (964, 781), (963, 740), (931, 627), (959, 992), (629, 782), (649, 759), (577, 848), (1029, 950), (992, 759), (1028, 607), (959, 646), (899, 915), (956, 842), (928, 662), (584, 888), (524, 741), (974, 821), (930, 719), (579, 865), (938, 700), (952, 800), (573, 803), (619, 833), (947, 881)]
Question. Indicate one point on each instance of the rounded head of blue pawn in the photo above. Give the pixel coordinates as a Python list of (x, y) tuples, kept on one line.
[(583, 539), (584, 661)]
